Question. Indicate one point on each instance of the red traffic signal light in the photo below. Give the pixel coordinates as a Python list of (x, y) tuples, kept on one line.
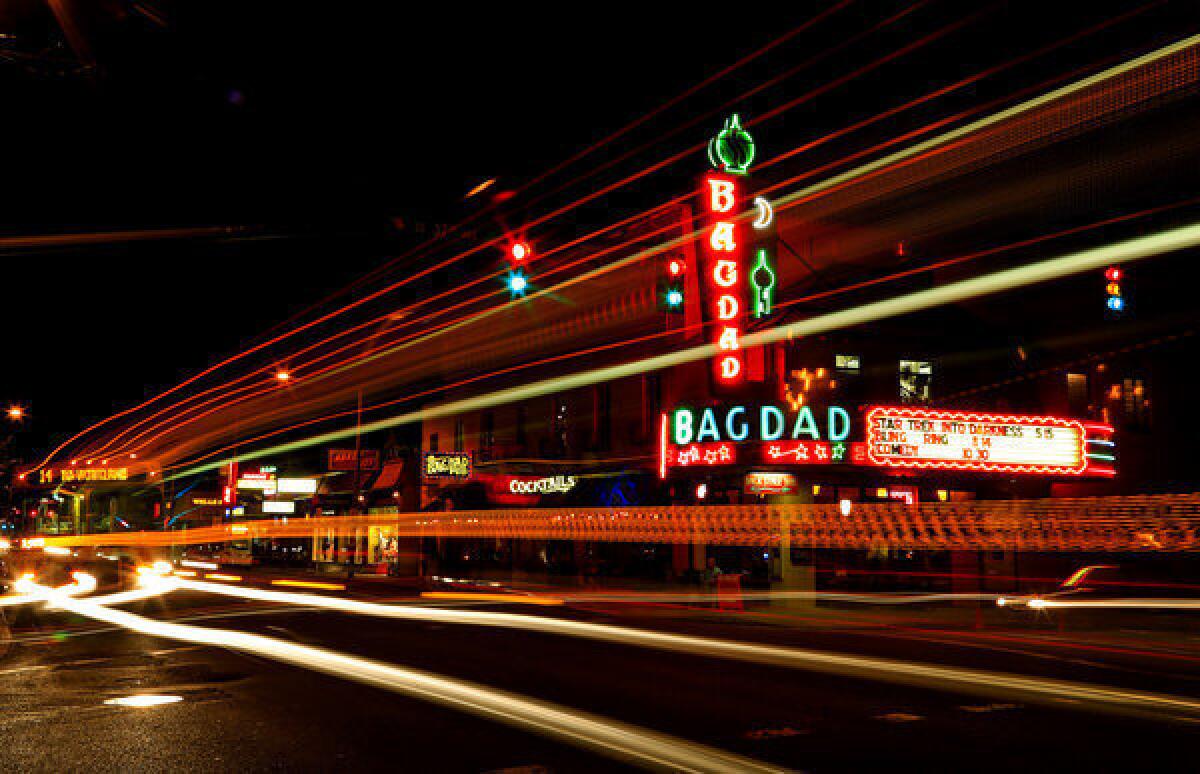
[(1113, 274), (676, 267), (519, 251)]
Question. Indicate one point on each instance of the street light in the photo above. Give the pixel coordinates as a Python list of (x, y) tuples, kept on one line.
[(282, 376), (16, 413)]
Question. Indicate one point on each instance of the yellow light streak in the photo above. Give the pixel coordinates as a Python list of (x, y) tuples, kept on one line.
[(222, 577), (299, 584), (610, 737), (516, 599)]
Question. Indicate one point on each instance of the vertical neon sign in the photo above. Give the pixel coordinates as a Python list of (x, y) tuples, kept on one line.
[(731, 152), (725, 275)]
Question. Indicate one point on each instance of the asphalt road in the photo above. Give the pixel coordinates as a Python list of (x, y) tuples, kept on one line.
[(247, 713)]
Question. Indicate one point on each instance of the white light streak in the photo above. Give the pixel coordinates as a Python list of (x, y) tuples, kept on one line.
[(619, 740), (144, 700), (981, 682)]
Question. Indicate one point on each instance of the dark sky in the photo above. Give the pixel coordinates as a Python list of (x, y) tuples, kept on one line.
[(316, 128)]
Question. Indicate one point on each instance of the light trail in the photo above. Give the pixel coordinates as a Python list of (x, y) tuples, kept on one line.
[(915, 271), (987, 683), (964, 290), (417, 251), (1132, 603), (777, 111), (950, 137), (602, 735), (941, 139), (1111, 523), (507, 599)]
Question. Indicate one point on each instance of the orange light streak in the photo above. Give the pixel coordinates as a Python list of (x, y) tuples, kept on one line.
[(300, 584), (471, 596), (1066, 524)]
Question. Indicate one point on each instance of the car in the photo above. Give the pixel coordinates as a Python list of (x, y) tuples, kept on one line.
[(1094, 591)]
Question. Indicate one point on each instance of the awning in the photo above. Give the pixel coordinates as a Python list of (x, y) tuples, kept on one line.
[(344, 483), (389, 477)]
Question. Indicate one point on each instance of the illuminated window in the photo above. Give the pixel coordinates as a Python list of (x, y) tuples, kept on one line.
[(602, 416), (487, 433), (847, 364), (916, 381), (1077, 394), (1135, 404), (521, 419), (558, 427)]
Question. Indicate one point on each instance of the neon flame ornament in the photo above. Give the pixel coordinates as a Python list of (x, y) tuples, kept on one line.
[(763, 281), (732, 150)]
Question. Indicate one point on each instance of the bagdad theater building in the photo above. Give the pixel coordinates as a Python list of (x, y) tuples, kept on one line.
[(939, 406), (919, 448)]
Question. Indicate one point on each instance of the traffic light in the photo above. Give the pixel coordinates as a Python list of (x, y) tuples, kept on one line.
[(517, 280), (671, 292), (517, 283), (1116, 302)]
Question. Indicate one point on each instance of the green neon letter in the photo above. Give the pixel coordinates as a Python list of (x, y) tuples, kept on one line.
[(770, 423), (839, 424), (736, 435), (682, 422), (806, 423)]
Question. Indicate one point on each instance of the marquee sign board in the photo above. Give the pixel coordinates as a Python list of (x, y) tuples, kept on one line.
[(72, 475), (446, 465), (884, 436), (932, 439)]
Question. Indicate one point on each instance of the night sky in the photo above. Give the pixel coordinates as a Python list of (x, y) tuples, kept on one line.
[(314, 131)]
